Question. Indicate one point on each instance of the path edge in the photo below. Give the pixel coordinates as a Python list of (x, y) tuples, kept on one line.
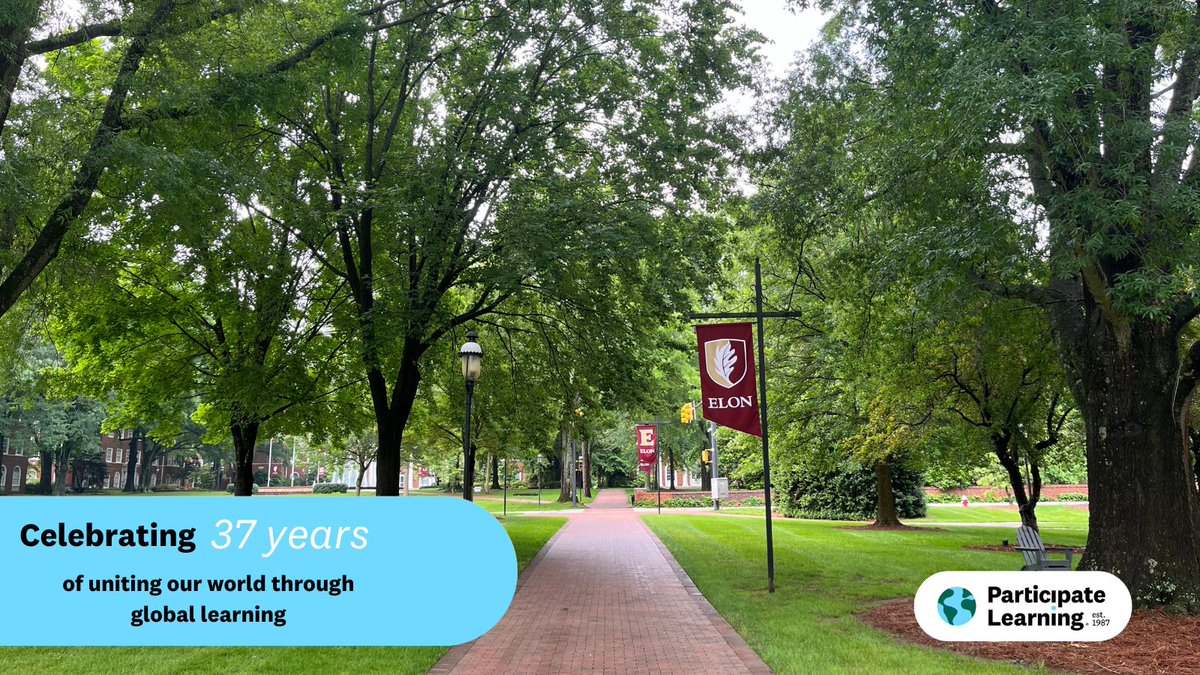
[(744, 651), (451, 658)]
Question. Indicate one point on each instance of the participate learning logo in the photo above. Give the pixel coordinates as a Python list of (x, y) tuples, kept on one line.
[(956, 606)]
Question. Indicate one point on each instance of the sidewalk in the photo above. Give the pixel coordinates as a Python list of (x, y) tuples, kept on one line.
[(605, 596)]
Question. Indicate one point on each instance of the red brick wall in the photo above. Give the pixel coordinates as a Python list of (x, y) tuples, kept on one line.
[(11, 461), (650, 497), (1049, 492)]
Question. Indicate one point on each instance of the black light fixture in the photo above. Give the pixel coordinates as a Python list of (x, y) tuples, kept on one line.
[(472, 363)]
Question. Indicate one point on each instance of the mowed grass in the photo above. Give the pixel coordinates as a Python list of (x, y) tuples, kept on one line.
[(528, 536), (1052, 515), (825, 575)]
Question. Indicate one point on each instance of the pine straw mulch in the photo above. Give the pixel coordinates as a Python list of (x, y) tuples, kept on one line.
[(1153, 642)]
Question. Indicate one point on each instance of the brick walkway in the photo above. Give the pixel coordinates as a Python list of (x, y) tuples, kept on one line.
[(605, 596)]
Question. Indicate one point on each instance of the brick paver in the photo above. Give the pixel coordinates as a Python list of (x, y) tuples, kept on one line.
[(605, 596)]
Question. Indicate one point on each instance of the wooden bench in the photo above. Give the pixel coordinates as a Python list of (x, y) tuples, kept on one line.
[(1029, 543)]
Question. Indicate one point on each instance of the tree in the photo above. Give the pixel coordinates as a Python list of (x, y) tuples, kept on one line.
[(468, 157), (51, 183), (1048, 151), (1004, 381)]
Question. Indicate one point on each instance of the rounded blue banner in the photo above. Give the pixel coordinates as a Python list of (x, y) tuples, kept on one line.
[(263, 571)]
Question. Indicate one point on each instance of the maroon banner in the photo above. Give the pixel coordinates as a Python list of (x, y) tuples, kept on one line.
[(647, 445), (727, 384)]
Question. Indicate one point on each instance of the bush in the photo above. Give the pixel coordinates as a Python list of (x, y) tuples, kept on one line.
[(254, 488), (171, 488), (940, 498), (750, 501), (685, 502), (846, 492), (1072, 497), (329, 488)]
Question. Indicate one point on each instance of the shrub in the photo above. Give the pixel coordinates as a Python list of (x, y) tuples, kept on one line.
[(1072, 497), (169, 488), (750, 501), (846, 492), (677, 502), (329, 488), (940, 498), (253, 490)]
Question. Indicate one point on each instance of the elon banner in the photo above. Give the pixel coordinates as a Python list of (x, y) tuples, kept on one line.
[(727, 384), (647, 445)]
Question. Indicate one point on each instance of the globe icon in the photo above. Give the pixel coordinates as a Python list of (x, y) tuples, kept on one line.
[(956, 606)]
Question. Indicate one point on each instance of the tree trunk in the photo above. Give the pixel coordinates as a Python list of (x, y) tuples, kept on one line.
[(131, 467), (245, 436), (587, 468), (706, 477), (496, 472), (21, 16), (567, 467), (61, 459), (46, 479), (1144, 523), (358, 482), (885, 509), (391, 416), (216, 474), (671, 467), (1011, 461)]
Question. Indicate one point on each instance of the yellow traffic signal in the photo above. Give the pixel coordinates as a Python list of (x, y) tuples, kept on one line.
[(686, 413), (704, 456)]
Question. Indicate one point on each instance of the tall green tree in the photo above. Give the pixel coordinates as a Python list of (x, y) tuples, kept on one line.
[(469, 156), (71, 98), (1049, 151)]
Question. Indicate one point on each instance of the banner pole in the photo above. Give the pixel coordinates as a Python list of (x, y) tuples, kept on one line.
[(762, 402), (712, 442)]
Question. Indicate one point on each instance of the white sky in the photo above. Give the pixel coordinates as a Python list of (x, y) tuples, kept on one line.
[(787, 32)]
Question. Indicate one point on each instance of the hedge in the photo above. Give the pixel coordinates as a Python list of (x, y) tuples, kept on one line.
[(846, 492)]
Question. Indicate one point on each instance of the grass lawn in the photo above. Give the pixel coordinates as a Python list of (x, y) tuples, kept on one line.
[(824, 576), (528, 536), (1049, 515)]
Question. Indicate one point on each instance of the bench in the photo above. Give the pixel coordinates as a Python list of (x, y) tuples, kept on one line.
[(1029, 543)]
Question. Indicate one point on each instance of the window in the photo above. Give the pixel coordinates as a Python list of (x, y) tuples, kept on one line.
[(3, 485), (108, 454), (107, 484), (118, 455), (117, 480), (16, 478)]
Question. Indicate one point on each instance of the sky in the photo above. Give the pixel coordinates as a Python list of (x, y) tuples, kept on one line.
[(787, 32)]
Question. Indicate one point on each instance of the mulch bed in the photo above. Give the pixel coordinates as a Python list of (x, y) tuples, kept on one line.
[(1153, 642)]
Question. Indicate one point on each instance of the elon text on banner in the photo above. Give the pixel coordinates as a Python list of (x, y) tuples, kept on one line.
[(647, 445), (727, 384)]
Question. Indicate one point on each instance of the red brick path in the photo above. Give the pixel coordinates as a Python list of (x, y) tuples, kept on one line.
[(605, 596)]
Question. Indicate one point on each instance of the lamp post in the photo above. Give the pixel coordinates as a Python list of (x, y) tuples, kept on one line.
[(472, 362), (270, 450)]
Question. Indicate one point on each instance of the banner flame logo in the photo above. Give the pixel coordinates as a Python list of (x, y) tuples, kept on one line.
[(725, 360)]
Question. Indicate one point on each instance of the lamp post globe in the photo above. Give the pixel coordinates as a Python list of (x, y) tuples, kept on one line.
[(472, 363)]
